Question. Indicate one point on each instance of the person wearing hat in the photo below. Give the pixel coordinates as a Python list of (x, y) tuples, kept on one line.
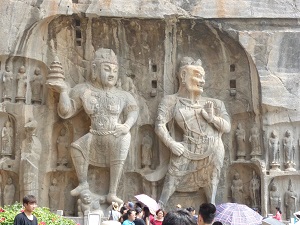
[(112, 112), (114, 213)]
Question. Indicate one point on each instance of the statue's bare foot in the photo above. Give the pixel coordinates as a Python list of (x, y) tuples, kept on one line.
[(113, 198), (79, 188)]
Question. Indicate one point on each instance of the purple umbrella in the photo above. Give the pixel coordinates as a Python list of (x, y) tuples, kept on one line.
[(237, 214)]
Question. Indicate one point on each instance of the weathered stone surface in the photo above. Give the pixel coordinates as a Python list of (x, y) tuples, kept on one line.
[(250, 52)]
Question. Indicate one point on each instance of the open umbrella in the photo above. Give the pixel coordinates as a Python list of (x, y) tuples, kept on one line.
[(148, 201), (237, 214)]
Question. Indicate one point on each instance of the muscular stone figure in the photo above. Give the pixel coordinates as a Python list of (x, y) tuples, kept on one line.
[(197, 153), (112, 112)]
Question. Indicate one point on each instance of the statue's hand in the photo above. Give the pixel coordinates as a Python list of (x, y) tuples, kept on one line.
[(208, 111), (57, 86), (177, 148), (121, 129)]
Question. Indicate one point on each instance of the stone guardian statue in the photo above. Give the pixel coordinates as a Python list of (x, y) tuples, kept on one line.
[(197, 150), (112, 112)]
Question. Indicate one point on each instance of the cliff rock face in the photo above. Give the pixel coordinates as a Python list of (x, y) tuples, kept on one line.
[(249, 50)]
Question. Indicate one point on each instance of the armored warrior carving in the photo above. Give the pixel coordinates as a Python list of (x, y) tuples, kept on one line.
[(197, 156), (112, 112)]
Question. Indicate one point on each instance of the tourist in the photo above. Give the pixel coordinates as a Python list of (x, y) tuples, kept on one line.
[(207, 212), (159, 217), (192, 211), (139, 215), (26, 217), (114, 213), (131, 217), (178, 217), (147, 216), (278, 214)]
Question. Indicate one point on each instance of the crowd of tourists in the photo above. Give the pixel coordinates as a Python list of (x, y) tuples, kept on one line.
[(139, 214)]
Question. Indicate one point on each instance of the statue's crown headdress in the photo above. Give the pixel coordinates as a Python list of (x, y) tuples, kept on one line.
[(105, 55), (190, 61)]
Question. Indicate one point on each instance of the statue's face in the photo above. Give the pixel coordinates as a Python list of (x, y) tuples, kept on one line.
[(107, 74), (194, 78), (86, 198)]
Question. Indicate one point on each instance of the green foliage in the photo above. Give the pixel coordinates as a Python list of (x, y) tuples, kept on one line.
[(43, 215)]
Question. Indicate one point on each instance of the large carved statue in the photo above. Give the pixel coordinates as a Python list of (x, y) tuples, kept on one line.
[(290, 201), (9, 192), (112, 112), (7, 140), (289, 150), (21, 85), (254, 139), (237, 190), (7, 80), (30, 156), (36, 84), (86, 204), (241, 145), (275, 199), (147, 151), (197, 152), (254, 189)]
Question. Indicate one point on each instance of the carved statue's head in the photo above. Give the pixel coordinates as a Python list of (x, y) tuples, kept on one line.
[(288, 133), (236, 176), (86, 197), (105, 67), (22, 69), (37, 71), (191, 75)]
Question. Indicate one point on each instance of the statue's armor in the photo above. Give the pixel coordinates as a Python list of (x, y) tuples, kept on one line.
[(105, 109)]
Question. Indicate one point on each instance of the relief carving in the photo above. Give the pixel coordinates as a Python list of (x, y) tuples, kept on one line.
[(9, 192), (62, 149), (36, 84), (30, 156), (21, 85), (147, 143), (112, 112), (54, 195), (7, 140), (254, 189), (274, 151), (289, 151), (255, 142), (241, 145), (7, 80), (275, 199), (197, 158), (290, 201), (237, 190)]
